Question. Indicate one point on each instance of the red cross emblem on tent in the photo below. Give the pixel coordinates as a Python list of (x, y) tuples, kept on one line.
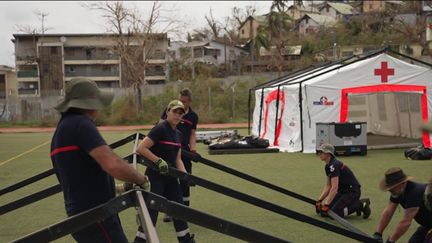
[(384, 72)]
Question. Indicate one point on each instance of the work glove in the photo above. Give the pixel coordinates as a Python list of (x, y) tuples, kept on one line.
[(162, 166), (123, 187), (145, 185), (324, 210), (318, 206), (377, 236), (195, 155), (428, 196)]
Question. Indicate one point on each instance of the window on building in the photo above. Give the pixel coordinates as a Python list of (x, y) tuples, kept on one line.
[(88, 53), (28, 88), (2, 86), (45, 68), (53, 50)]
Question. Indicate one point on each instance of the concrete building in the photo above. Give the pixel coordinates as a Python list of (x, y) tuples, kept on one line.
[(45, 62), (248, 30), (313, 23), (216, 52), (338, 11), (8, 88)]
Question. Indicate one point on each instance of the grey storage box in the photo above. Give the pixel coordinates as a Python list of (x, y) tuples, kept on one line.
[(348, 138)]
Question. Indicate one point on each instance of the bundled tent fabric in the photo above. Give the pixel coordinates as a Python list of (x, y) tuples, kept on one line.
[(391, 95)]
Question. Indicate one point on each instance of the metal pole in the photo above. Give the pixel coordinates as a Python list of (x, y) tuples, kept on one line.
[(143, 214)]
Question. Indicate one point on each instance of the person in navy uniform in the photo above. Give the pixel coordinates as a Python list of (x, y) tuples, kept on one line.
[(187, 127), (410, 195), (341, 191), (84, 164), (163, 146)]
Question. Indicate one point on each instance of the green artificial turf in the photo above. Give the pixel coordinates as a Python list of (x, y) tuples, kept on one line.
[(298, 172)]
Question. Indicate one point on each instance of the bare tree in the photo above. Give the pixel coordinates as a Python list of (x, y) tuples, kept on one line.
[(213, 24), (136, 38), (32, 54), (232, 23)]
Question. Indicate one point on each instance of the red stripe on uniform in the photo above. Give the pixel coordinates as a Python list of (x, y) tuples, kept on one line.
[(64, 149), (104, 232), (170, 143), (187, 121)]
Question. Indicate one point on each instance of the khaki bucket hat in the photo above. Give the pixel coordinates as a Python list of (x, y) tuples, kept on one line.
[(326, 148), (392, 178), (84, 93), (176, 104)]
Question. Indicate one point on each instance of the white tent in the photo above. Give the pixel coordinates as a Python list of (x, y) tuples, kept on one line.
[(391, 95)]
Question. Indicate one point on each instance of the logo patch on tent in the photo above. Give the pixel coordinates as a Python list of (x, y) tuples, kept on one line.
[(323, 101)]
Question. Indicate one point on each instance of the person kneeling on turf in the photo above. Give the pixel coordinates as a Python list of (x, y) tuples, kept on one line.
[(342, 190)]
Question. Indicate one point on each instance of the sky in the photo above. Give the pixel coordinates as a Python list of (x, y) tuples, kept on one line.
[(71, 17)]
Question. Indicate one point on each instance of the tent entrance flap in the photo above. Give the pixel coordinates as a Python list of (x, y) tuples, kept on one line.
[(393, 110)]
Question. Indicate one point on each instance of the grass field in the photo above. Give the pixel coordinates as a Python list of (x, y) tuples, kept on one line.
[(298, 172)]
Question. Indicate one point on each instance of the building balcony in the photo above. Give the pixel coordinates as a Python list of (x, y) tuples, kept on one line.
[(97, 78), (92, 74), (156, 61), (155, 77), (87, 62), (27, 74), (154, 73)]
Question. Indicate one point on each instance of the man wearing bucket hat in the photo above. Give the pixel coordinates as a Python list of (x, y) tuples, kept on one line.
[(84, 164), (341, 191), (162, 145), (410, 196)]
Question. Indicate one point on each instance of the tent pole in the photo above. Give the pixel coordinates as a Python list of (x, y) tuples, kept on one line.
[(249, 113), (301, 116), (261, 109), (277, 113), (411, 58)]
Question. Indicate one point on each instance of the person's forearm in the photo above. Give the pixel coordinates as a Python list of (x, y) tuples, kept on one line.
[(192, 141), (148, 154), (384, 221), (324, 193), (331, 195), (180, 166), (125, 172), (401, 228)]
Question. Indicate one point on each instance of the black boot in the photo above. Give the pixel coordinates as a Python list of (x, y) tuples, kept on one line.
[(365, 208), (190, 239)]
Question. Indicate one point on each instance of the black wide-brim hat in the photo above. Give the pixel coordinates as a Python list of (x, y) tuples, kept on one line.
[(393, 177)]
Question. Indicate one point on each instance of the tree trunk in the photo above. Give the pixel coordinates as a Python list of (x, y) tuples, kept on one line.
[(138, 98)]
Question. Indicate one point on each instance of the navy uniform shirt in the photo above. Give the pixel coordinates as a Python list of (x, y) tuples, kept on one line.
[(84, 183), (413, 197), (189, 122), (347, 180), (166, 143)]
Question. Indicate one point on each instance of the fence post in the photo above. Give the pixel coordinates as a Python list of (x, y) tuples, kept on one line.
[(209, 97)]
